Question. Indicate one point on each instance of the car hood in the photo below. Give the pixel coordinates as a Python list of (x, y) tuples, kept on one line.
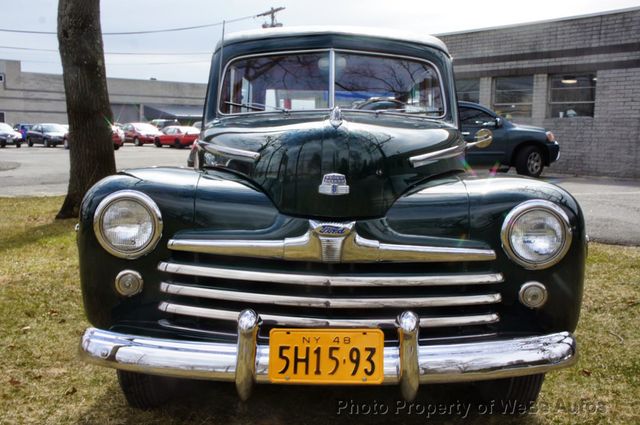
[(528, 128), (296, 161)]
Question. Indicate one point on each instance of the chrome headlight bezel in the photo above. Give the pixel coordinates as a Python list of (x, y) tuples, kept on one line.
[(525, 207), (141, 199)]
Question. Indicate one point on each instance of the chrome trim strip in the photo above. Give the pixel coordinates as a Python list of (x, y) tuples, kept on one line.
[(322, 302), (328, 280), (430, 157), (460, 362), (225, 150), (311, 322), (532, 205), (359, 249), (308, 247)]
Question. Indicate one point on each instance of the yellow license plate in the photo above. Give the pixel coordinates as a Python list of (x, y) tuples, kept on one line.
[(326, 356)]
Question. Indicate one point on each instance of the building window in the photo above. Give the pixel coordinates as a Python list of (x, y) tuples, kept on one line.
[(1, 116), (512, 96), (1, 78), (572, 95), (468, 90)]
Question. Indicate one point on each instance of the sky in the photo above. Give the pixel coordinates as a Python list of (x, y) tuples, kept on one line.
[(185, 55)]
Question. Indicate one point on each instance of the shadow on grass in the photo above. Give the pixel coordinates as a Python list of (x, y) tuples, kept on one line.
[(217, 403), (33, 235)]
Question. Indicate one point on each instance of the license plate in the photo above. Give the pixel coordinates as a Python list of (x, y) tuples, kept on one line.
[(326, 356)]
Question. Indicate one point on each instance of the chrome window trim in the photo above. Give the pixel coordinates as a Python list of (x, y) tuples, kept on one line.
[(146, 202), (532, 205), (331, 102)]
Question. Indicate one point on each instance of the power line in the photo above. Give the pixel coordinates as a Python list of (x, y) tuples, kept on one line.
[(33, 49), (215, 24)]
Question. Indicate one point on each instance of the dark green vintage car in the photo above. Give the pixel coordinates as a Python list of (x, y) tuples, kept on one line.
[(323, 239)]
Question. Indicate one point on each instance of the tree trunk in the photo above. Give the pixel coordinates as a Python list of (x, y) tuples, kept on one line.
[(88, 107)]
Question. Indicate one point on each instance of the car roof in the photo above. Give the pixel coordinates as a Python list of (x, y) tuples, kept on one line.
[(334, 30)]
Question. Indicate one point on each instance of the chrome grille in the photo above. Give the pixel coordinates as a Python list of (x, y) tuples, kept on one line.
[(305, 299)]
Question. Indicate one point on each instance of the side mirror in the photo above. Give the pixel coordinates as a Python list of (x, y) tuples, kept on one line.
[(498, 122), (482, 139)]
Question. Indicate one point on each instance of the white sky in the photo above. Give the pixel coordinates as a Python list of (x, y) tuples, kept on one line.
[(421, 16)]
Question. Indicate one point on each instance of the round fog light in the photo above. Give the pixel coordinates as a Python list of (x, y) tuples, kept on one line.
[(533, 294), (129, 283)]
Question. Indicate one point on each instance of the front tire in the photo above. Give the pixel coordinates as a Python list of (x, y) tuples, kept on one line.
[(512, 396), (46, 143), (530, 161), (136, 141), (66, 144), (18, 144), (157, 143), (116, 147), (3, 143), (29, 142), (145, 392)]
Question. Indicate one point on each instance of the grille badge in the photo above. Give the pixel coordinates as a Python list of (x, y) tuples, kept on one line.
[(331, 236)]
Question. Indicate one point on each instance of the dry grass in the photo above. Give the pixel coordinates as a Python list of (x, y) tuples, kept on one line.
[(41, 320)]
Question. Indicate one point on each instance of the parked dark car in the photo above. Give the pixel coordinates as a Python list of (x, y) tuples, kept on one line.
[(317, 243), (49, 135), (527, 148), (9, 136), (177, 136), (140, 133)]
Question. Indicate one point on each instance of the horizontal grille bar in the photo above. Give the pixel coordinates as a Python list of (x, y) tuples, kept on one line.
[(323, 302), (295, 321), (333, 281)]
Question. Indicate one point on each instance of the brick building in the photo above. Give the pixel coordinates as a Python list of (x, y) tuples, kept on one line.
[(579, 77)]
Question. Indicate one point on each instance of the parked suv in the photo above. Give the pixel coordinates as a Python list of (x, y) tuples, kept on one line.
[(317, 242), (527, 148)]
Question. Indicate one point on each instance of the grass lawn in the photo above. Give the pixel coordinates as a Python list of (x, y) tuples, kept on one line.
[(42, 381)]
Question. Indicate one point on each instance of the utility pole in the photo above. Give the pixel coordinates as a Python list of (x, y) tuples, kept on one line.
[(272, 13)]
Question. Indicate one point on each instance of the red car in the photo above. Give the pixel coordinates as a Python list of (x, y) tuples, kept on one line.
[(177, 136), (140, 133)]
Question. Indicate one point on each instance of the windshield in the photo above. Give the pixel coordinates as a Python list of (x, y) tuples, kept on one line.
[(301, 81), (53, 128)]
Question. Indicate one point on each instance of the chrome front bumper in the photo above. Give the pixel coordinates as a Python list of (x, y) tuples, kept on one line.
[(408, 364)]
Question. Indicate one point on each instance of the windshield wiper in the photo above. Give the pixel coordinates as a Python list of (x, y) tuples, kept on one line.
[(256, 106)]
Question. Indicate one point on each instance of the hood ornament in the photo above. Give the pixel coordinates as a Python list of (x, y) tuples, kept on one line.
[(333, 184), (335, 117)]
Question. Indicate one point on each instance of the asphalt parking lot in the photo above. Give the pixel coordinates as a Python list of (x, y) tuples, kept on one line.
[(611, 206)]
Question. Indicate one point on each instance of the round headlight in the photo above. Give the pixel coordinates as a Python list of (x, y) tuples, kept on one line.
[(536, 234), (127, 224)]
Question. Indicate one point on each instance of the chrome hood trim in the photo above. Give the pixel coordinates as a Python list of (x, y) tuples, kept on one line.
[(343, 247)]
